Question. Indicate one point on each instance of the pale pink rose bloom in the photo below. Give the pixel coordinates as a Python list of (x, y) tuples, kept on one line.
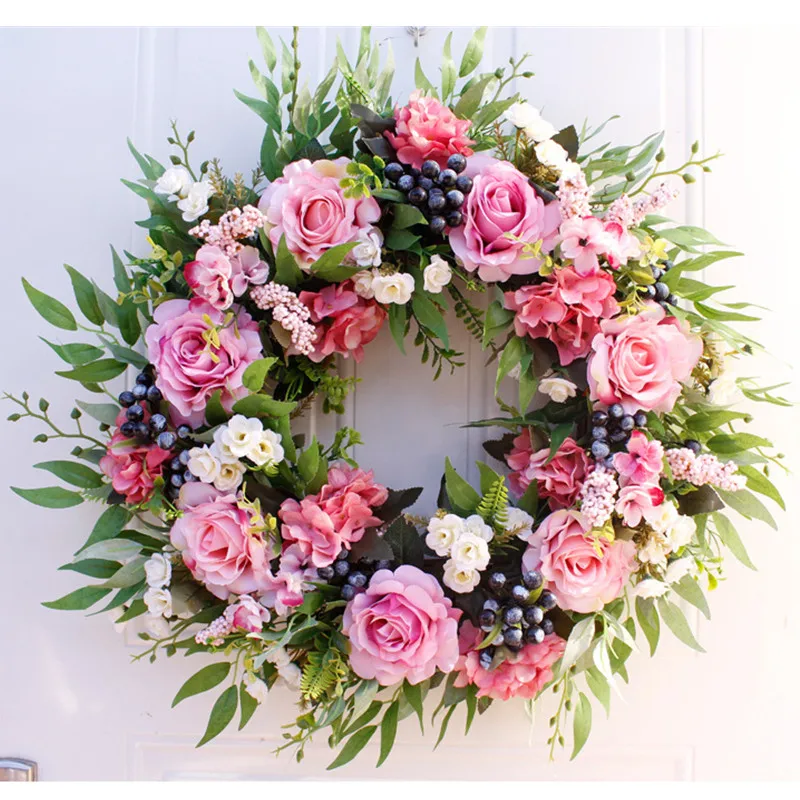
[(583, 239), (521, 674), (640, 360), (581, 579), (427, 130), (307, 206), (247, 269), (248, 614), (209, 277), (402, 627), (186, 373), (503, 204), (635, 501), (643, 463)]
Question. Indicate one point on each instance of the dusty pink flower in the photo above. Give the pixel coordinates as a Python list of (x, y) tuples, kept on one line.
[(642, 463), (622, 246), (247, 614), (640, 360), (292, 579), (583, 239), (209, 277), (522, 674), (247, 269), (636, 501), (502, 213), (427, 130), (704, 469), (559, 479), (307, 206), (402, 627), (581, 578), (189, 368)]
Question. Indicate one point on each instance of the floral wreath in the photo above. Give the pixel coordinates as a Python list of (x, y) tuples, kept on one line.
[(228, 534)]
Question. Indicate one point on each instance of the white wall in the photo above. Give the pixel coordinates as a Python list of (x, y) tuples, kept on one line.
[(71, 700)]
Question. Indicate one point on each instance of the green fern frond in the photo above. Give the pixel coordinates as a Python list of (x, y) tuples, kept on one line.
[(493, 507), (322, 674)]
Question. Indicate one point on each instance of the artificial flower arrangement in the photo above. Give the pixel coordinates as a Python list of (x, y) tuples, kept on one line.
[(232, 536)]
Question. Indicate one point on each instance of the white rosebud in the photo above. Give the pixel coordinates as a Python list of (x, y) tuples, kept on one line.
[(158, 602), (157, 627), (520, 523), (267, 450), (393, 288), (257, 689), (231, 475), (195, 203), (470, 552), (158, 570), (650, 587), (679, 569), (551, 154), (558, 389), (175, 181), (682, 531), (529, 119), (443, 533), (661, 518), (291, 674), (367, 253), (240, 435), (475, 525), (203, 464), (436, 275), (460, 579), (362, 284)]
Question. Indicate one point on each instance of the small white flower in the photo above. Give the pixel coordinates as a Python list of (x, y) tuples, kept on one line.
[(279, 657), (724, 390), (362, 283), (158, 602), (195, 203), (470, 552), (267, 450), (443, 533), (529, 119), (393, 288), (157, 627), (231, 474), (682, 531), (661, 518), (460, 579), (558, 389), (175, 181), (367, 252), (569, 172), (679, 569), (520, 522), (291, 674), (650, 587), (655, 550), (436, 275), (551, 154), (256, 688), (240, 435), (475, 525), (203, 464), (158, 570)]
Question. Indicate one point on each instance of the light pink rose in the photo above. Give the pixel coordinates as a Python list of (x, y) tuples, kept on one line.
[(189, 369), (308, 206), (427, 130), (247, 614), (640, 360), (643, 462), (247, 269), (636, 501), (209, 277), (581, 579), (501, 204), (521, 674), (402, 627), (559, 479)]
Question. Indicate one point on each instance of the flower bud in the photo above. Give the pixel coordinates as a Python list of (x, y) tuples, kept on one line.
[(43, 405), (687, 178), (661, 155), (76, 413)]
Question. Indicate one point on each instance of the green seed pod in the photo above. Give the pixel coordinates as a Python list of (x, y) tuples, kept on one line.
[(76, 413), (292, 75), (528, 74), (104, 426), (76, 451), (498, 73), (695, 147), (175, 160), (687, 178), (630, 177), (25, 396), (14, 417), (190, 137), (661, 155), (40, 437), (43, 405)]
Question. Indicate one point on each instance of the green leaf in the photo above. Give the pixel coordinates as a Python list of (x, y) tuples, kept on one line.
[(267, 112), (528, 382), (54, 311), (676, 622), (145, 166), (529, 501), (135, 609), (708, 420), (355, 744), (308, 463), (388, 731), (579, 641), (429, 316), (84, 294), (497, 319), (688, 588), (648, 621), (448, 69), (599, 688), (445, 723), (398, 315), (49, 497), (285, 432), (261, 405), (128, 319), (122, 597), (255, 374), (247, 704), (286, 270), (406, 543), (729, 443), (221, 714), (332, 258), (75, 353), (129, 574), (203, 680), (121, 280), (413, 693), (108, 526), (215, 413), (581, 724), (758, 482), (401, 240), (102, 412), (93, 567), (731, 539), (406, 215), (748, 505), (73, 473), (557, 437), (474, 52), (127, 355), (462, 496), (421, 81), (471, 99), (509, 358), (96, 372), (79, 600), (267, 48), (488, 476)]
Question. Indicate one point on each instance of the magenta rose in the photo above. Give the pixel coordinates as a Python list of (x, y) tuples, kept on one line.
[(402, 627), (521, 674), (582, 573), (189, 366), (640, 360), (209, 277), (427, 130), (307, 206), (502, 213)]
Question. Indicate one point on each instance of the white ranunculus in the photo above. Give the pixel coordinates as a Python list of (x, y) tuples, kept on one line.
[(436, 275), (257, 689), (661, 518), (655, 550), (203, 464), (195, 204), (158, 602), (240, 435), (367, 252), (291, 674), (443, 533), (520, 522), (551, 154), (175, 181), (679, 569), (231, 475), (460, 579), (267, 450), (650, 587), (475, 525), (393, 288), (362, 283), (157, 570), (682, 531), (558, 389), (470, 552)]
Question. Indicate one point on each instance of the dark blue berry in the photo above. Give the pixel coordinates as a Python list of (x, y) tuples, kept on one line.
[(166, 440), (393, 172), (153, 394), (547, 600), (640, 419), (430, 169), (667, 265), (417, 196), (341, 568), (491, 604), (485, 659), (436, 202), (357, 579), (172, 492), (406, 183), (447, 179), (135, 413), (487, 619), (139, 392), (127, 428), (627, 423), (144, 378), (616, 411), (512, 615), (497, 581), (176, 479), (650, 292), (454, 219), (599, 417), (457, 163), (600, 449), (534, 615), (455, 199), (184, 457), (671, 300), (344, 554), (437, 224), (384, 563), (658, 273), (512, 637), (619, 436), (189, 477), (533, 579), (183, 432), (326, 573), (547, 626), (175, 464), (608, 462), (425, 183), (693, 445), (126, 399), (414, 172), (599, 434), (520, 594), (464, 184), (348, 592), (662, 291), (141, 432), (534, 635), (158, 423)]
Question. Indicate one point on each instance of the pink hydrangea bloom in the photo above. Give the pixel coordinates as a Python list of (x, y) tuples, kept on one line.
[(247, 269), (402, 627), (640, 360), (292, 579), (642, 463), (559, 479), (636, 501), (209, 277), (427, 130), (522, 674), (583, 239)]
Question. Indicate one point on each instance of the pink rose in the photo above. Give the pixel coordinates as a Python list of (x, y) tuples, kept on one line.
[(521, 674), (641, 360), (247, 269), (427, 130), (581, 578), (643, 462), (503, 204), (559, 478), (247, 614), (209, 277), (636, 501), (401, 627), (307, 206), (189, 368)]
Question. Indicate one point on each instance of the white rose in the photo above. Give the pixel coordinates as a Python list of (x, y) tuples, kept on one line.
[(158, 602), (394, 288), (267, 450), (470, 552), (362, 283), (655, 550), (436, 275), (157, 627), (460, 579), (257, 689), (367, 252), (650, 587), (158, 570), (240, 435), (661, 518), (521, 114), (443, 533), (682, 531), (475, 525), (679, 569), (558, 389), (551, 154), (231, 474), (291, 674), (176, 182), (520, 522), (203, 464), (195, 204)]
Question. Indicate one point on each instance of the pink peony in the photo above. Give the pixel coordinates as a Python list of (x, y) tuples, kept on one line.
[(583, 239), (522, 674), (640, 360), (582, 579), (209, 277), (247, 614), (559, 478), (427, 130), (503, 204), (247, 269), (189, 367), (636, 501), (324, 523), (402, 627), (642, 463), (307, 206), (565, 308)]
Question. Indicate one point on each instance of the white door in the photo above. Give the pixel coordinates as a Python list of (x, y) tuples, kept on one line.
[(69, 696)]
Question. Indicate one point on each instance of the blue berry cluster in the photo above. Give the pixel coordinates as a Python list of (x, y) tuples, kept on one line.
[(659, 291), (438, 193), (613, 428), (352, 577)]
